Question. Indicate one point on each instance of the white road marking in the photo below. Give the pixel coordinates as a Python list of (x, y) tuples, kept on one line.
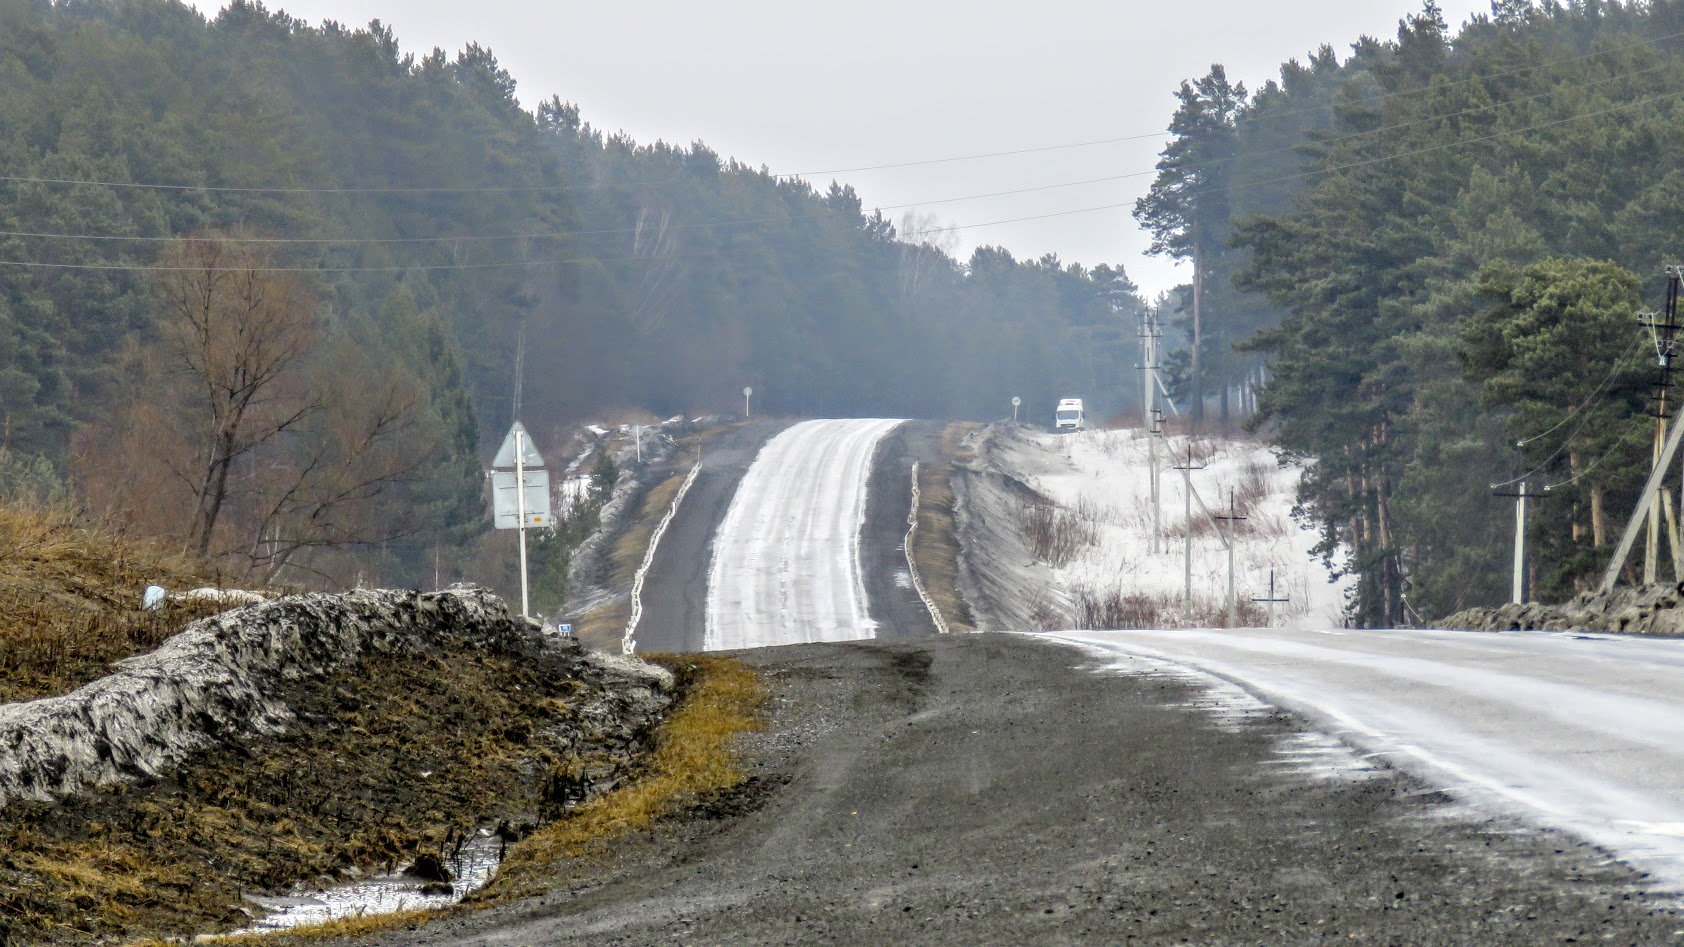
[(786, 560)]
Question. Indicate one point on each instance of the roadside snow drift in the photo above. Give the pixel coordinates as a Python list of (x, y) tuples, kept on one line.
[(1105, 567), (786, 563)]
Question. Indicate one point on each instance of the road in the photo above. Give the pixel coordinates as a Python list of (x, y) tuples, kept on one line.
[(675, 591), (994, 789), (1579, 732), (786, 560)]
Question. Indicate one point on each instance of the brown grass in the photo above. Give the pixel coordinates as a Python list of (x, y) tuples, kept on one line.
[(1055, 535), (1110, 609), (694, 756), (630, 545), (70, 600), (936, 546), (604, 628)]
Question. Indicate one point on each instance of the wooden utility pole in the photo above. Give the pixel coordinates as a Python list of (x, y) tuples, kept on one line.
[(1272, 600), (1663, 330)]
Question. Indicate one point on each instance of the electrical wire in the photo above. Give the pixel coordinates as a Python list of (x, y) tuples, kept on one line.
[(1241, 185), (1597, 394), (538, 188), (1585, 472), (1381, 97), (464, 238)]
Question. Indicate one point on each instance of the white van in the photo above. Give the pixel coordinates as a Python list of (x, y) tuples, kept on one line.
[(1068, 417)]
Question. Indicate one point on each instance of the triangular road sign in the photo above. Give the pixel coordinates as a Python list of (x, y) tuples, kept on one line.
[(505, 459)]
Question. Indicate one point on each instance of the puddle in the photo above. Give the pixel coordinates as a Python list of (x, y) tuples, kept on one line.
[(378, 894)]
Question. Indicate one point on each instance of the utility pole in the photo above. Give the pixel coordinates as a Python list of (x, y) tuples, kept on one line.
[(1272, 599), (1232, 517), (1153, 435), (1152, 418), (1520, 495), (1187, 551), (1663, 331)]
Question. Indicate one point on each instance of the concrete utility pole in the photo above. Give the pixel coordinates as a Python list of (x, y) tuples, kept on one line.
[(1152, 418), (1521, 495), (1232, 517), (1187, 551)]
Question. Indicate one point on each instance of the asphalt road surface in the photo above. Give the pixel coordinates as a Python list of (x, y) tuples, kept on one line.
[(786, 559), (1003, 789), (1580, 732), (675, 591)]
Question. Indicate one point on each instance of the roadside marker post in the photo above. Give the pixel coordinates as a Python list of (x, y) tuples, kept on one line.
[(1272, 599), (747, 391), (1015, 402)]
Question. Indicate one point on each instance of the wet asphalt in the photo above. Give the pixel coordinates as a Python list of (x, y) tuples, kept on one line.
[(995, 789)]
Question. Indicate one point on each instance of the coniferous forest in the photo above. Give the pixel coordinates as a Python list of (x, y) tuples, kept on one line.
[(399, 226), (1436, 247), (1422, 255)]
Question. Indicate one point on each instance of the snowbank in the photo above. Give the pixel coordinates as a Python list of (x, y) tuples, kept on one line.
[(1100, 480), (221, 680)]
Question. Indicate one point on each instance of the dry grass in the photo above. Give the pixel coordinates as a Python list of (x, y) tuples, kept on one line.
[(694, 756), (1055, 535), (70, 600), (1111, 609), (630, 545), (936, 546), (604, 628)]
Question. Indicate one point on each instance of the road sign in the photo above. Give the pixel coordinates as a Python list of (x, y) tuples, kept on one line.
[(506, 454), (505, 504), (565, 628)]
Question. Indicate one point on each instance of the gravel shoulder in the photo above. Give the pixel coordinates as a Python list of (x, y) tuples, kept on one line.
[(990, 789), (894, 603)]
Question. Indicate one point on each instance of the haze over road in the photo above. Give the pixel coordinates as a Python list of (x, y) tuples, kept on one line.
[(1581, 732), (786, 560)]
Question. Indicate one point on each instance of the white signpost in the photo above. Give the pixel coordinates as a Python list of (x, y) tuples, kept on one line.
[(746, 392), (1015, 402), (520, 497)]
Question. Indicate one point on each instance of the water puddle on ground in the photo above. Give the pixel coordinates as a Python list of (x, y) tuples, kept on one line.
[(380, 894)]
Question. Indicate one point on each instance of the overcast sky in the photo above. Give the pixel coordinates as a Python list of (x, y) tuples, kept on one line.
[(815, 87)]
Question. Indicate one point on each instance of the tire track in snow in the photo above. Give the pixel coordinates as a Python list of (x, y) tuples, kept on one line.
[(786, 560)]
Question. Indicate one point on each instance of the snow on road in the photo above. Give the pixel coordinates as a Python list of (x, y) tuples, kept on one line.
[(786, 560), (1582, 733)]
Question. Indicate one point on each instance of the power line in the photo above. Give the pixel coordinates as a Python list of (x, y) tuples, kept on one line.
[(1241, 185), (1260, 182), (540, 188), (1380, 97), (463, 238)]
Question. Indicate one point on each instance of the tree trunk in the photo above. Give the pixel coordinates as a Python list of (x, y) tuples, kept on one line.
[(1196, 387), (1598, 530)]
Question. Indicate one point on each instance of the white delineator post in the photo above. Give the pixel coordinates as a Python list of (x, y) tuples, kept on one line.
[(520, 510)]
